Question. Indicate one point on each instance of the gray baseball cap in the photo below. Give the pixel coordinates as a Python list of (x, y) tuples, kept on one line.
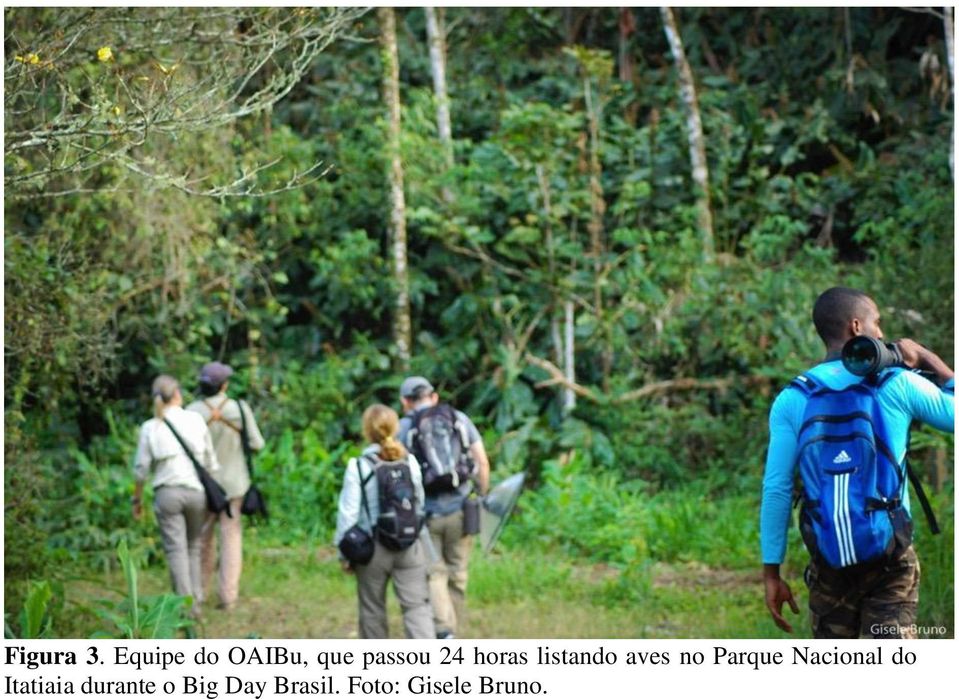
[(412, 383), (215, 373)]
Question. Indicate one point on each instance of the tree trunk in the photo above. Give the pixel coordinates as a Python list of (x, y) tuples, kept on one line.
[(569, 398), (402, 332), (950, 54), (627, 66), (694, 128), (627, 25), (437, 40), (597, 209)]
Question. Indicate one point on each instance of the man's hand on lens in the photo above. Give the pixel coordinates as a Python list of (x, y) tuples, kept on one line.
[(912, 352), (915, 356)]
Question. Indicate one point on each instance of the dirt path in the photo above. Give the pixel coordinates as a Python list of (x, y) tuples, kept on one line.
[(301, 593)]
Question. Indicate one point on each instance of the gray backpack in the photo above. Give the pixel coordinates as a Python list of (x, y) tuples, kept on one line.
[(439, 441)]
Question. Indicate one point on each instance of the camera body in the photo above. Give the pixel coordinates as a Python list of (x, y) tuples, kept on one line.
[(864, 355)]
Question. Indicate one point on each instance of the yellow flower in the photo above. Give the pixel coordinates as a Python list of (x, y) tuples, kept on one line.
[(116, 109), (168, 71), (30, 58), (104, 54)]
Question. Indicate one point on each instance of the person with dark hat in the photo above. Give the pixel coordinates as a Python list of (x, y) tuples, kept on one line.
[(226, 423)]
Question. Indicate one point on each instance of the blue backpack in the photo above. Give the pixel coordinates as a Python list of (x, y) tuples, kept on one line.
[(853, 486)]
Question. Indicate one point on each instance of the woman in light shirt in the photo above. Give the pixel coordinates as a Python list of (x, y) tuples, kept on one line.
[(178, 498), (407, 568)]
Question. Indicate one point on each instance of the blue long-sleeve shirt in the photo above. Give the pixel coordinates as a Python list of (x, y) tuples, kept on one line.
[(902, 398)]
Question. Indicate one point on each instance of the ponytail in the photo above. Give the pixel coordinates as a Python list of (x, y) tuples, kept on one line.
[(165, 389), (391, 449), (380, 425)]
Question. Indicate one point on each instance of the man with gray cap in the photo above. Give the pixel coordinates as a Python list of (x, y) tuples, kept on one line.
[(433, 432), (223, 417)]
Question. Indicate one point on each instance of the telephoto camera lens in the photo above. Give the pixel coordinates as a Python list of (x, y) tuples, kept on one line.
[(863, 356)]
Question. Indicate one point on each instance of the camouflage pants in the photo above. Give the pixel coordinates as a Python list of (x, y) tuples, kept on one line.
[(875, 600)]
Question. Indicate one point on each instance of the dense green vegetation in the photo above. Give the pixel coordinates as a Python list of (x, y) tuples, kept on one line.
[(568, 207)]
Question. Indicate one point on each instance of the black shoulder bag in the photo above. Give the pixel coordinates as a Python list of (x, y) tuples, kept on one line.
[(253, 501), (216, 500)]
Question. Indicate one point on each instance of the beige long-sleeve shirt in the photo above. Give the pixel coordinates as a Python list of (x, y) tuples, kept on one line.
[(160, 452), (234, 475)]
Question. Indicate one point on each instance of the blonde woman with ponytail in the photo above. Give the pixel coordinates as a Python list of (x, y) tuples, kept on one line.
[(408, 567), (178, 498)]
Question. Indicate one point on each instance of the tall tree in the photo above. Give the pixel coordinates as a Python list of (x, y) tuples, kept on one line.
[(436, 34), (627, 26), (694, 131), (402, 326), (563, 344), (950, 51), (596, 66)]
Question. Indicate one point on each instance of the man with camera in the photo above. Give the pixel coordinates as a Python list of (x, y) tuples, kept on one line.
[(847, 434)]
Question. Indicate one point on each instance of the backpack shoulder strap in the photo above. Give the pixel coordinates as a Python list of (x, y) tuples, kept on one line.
[(805, 383), (417, 416), (363, 481), (244, 438), (410, 441), (216, 414), (460, 426), (923, 500), (411, 430)]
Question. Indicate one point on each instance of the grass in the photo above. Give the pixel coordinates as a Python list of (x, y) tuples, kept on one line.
[(294, 592), (681, 576)]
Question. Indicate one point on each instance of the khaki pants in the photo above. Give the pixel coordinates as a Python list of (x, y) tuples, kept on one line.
[(448, 575), (180, 513), (407, 568), (231, 552)]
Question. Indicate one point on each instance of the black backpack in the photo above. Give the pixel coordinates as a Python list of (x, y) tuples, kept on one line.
[(439, 442), (401, 514)]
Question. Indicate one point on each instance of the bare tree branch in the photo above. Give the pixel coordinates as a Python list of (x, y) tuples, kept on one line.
[(87, 87), (651, 389), (558, 378)]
